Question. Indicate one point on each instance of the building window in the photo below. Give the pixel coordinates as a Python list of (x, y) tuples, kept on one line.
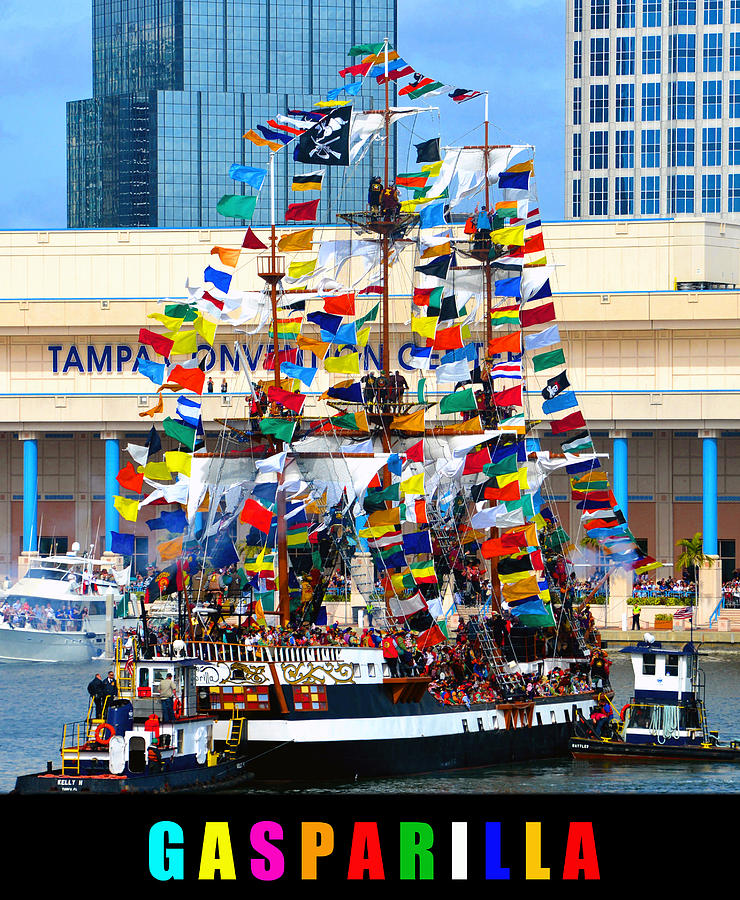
[(734, 11), (624, 103), (577, 59), (624, 196), (712, 54), (651, 10), (576, 198), (682, 53), (682, 12), (681, 147), (711, 147), (733, 193), (625, 56), (733, 147), (711, 186), (577, 15), (712, 100), (650, 148), (598, 196), (625, 13), (713, 12), (576, 106), (651, 49), (648, 664), (734, 110), (681, 194), (599, 150), (577, 152), (624, 149), (599, 13), (735, 51), (651, 101), (650, 195), (599, 103), (599, 56), (681, 100)]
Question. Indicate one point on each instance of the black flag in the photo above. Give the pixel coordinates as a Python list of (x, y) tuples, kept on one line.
[(327, 143), (153, 442), (428, 151), (555, 386)]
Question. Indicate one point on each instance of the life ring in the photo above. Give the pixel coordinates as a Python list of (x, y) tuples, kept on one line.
[(104, 727), (176, 707), (624, 710)]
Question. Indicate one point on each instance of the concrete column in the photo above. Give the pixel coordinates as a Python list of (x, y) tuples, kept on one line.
[(709, 492), (620, 469), (112, 468), (30, 489)]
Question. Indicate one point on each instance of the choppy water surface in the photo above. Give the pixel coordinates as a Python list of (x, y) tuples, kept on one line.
[(35, 701)]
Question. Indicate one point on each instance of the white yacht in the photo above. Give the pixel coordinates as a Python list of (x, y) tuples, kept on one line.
[(56, 612)]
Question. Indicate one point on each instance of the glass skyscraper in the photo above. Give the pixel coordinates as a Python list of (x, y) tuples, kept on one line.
[(176, 83), (652, 108)]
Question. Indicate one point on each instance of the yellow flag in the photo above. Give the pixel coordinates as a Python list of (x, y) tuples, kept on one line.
[(385, 517), (299, 269), (521, 589), (471, 426), (363, 336), (413, 485), (177, 461), (527, 166), (433, 168), (170, 549), (157, 471), (227, 256), (183, 341), (297, 240), (426, 326), (129, 509), (513, 236), (514, 577), (375, 531), (205, 328), (412, 422), (437, 250), (171, 323), (348, 364)]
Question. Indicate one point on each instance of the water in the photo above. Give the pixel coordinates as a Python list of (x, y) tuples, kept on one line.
[(37, 699)]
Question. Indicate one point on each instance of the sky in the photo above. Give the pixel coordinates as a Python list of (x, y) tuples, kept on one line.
[(514, 49)]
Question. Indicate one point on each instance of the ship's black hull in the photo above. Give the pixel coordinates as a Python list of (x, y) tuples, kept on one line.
[(225, 775), (584, 748), (332, 761)]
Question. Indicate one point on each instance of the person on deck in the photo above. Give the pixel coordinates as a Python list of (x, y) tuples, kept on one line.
[(96, 691), (400, 386), (390, 203), (390, 654), (374, 193), (368, 390), (167, 696), (636, 617)]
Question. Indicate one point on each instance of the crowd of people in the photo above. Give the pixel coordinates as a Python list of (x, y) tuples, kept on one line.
[(66, 617), (384, 393)]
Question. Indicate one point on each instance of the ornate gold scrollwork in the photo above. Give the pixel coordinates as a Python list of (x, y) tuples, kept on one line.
[(244, 674), (318, 673)]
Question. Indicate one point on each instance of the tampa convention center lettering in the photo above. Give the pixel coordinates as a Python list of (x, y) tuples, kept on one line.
[(268, 852), (96, 360)]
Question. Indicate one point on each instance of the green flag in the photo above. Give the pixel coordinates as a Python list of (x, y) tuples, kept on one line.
[(366, 49), (180, 432), (181, 311), (236, 206), (368, 317), (548, 360), (460, 401), (282, 429), (505, 466)]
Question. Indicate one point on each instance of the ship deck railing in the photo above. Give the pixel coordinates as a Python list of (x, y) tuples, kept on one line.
[(210, 651)]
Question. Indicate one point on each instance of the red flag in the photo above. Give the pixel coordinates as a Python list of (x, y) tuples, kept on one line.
[(569, 423), (287, 399), (537, 316), (372, 289), (360, 69), (510, 492), (430, 638), (283, 356), (510, 397), (340, 304), (415, 453), (474, 462), (507, 343), (157, 342), (257, 515), (219, 304), (252, 242), (503, 546), (449, 339), (129, 478), (192, 379), (302, 212)]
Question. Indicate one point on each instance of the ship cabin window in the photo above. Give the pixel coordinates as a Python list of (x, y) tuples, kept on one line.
[(494, 722), (648, 664), (553, 717), (143, 676), (465, 725), (567, 716), (371, 670), (355, 670), (180, 735), (539, 719), (480, 725), (671, 664), (136, 754)]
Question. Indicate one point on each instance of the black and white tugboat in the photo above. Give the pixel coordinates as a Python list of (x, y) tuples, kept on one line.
[(666, 717), (129, 747)]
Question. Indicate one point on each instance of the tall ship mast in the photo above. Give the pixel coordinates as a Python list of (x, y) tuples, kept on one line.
[(427, 499)]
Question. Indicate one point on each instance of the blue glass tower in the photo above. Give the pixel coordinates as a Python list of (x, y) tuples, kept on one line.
[(176, 83)]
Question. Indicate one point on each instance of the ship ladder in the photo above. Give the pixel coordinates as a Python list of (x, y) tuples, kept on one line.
[(125, 668), (494, 660), (70, 755), (236, 727)]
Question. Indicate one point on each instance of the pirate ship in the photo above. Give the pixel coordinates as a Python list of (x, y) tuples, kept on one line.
[(410, 491)]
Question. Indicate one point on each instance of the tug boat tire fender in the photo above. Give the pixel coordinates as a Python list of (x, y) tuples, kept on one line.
[(104, 729), (623, 710)]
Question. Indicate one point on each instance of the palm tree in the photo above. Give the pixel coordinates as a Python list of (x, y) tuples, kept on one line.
[(692, 556)]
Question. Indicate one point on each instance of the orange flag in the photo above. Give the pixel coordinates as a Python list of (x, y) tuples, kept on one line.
[(412, 422), (507, 343), (155, 409), (227, 256)]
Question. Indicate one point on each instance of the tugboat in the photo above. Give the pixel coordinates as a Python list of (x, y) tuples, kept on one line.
[(665, 719), (128, 748)]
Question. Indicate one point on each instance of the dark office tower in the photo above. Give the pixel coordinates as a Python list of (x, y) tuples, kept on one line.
[(176, 83)]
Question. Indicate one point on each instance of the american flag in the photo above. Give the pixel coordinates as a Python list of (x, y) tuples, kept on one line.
[(685, 612)]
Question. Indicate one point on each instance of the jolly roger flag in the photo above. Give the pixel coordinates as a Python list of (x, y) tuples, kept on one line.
[(428, 151), (555, 386), (327, 142)]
